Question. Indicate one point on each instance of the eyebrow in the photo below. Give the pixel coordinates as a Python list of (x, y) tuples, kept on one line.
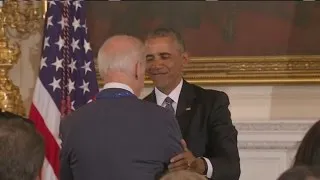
[(161, 54), (164, 53)]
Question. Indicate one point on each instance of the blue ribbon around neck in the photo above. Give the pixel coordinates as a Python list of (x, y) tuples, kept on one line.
[(109, 95)]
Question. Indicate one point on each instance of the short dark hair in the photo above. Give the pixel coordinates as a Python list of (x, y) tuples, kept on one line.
[(168, 32), (21, 148), (301, 173), (309, 150)]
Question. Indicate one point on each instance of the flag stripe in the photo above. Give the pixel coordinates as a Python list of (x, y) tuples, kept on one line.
[(51, 146), (43, 102), (48, 174)]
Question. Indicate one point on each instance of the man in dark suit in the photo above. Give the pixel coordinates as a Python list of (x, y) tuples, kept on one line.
[(118, 136), (203, 115)]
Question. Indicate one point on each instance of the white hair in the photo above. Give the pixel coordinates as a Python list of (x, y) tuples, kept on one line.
[(121, 59)]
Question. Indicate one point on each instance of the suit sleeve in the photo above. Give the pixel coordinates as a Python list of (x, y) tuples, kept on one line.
[(222, 148), (65, 170)]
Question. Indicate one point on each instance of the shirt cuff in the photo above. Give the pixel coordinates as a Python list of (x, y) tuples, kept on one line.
[(210, 168)]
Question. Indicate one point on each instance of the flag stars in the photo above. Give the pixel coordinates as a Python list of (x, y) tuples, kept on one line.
[(86, 46), (72, 105), (58, 64), (76, 23), (60, 43), (85, 87), (75, 44), (72, 66), (77, 4), (76, 74), (55, 84), (86, 67), (70, 86), (63, 22), (43, 62), (46, 43), (85, 27), (51, 2), (49, 22), (67, 2)]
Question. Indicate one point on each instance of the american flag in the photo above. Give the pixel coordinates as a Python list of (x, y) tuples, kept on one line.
[(67, 77)]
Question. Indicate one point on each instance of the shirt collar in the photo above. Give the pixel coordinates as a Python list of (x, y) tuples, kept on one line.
[(174, 94), (117, 85)]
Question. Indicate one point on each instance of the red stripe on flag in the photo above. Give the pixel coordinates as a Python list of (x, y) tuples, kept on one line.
[(52, 149)]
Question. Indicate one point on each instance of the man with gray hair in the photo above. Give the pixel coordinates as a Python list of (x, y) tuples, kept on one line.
[(119, 136)]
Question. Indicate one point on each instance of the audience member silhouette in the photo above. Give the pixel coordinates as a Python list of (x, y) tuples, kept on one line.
[(308, 153)]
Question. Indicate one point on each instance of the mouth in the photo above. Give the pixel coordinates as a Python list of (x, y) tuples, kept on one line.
[(157, 74), (150, 73)]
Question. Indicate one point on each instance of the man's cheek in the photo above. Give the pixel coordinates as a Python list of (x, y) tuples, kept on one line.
[(148, 73), (147, 69)]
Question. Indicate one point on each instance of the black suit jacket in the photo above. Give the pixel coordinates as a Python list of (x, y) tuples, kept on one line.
[(121, 138), (205, 122)]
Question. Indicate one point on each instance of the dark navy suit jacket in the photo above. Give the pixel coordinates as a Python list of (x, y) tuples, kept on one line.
[(118, 139)]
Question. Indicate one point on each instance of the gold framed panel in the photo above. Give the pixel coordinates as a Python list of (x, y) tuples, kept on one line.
[(244, 70), (300, 69)]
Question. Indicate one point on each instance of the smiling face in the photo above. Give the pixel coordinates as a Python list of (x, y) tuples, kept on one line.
[(165, 62)]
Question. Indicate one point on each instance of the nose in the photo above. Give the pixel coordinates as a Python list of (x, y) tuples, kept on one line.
[(154, 67), (156, 64)]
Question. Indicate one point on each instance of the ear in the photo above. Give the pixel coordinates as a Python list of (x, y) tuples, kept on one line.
[(185, 57), (137, 70)]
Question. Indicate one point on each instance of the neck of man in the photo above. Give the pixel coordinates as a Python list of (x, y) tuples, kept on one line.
[(170, 87), (122, 78)]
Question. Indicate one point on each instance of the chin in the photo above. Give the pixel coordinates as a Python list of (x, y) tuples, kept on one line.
[(159, 81), (160, 85)]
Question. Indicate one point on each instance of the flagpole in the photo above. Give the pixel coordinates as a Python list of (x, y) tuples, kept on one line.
[(45, 7)]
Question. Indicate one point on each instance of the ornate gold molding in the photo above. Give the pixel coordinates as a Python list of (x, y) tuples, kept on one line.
[(22, 17), (238, 70)]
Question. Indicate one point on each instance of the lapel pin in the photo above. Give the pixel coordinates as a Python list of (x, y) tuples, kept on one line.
[(188, 109)]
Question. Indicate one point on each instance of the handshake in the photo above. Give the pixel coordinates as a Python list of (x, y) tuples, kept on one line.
[(186, 160)]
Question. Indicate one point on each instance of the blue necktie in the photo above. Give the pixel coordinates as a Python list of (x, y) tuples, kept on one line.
[(168, 104)]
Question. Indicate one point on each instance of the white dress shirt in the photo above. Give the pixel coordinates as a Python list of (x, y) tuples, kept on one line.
[(174, 95), (117, 85)]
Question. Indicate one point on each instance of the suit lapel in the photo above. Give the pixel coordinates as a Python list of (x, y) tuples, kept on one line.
[(186, 108), (151, 97)]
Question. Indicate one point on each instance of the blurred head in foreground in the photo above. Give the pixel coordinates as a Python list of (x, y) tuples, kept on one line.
[(21, 148), (308, 153), (183, 175), (301, 173)]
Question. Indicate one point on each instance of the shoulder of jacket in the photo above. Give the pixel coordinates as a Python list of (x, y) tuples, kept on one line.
[(207, 93)]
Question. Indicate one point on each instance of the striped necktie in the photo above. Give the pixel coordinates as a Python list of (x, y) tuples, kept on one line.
[(168, 104)]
